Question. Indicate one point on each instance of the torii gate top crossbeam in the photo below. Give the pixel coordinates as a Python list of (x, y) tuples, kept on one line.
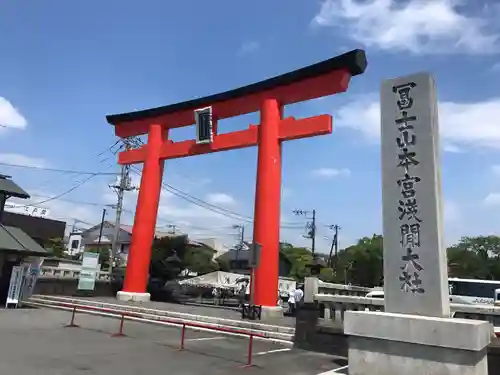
[(321, 79)]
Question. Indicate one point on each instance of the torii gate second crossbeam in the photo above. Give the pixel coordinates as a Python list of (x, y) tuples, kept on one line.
[(269, 97)]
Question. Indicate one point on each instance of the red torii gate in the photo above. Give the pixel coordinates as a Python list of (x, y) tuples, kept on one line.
[(269, 97)]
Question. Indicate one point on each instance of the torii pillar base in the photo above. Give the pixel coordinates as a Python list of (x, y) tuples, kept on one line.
[(271, 312), (133, 297)]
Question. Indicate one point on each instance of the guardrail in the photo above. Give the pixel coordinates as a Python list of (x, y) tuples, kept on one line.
[(128, 315), (333, 305), (313, 286), (56, 272)]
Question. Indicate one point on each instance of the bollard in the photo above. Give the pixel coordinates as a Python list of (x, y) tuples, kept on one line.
[(120, 332), (72, 323), (183, 335)]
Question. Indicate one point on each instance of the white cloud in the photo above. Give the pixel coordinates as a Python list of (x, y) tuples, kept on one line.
[(248, 47), (461, 124), (10, 116), (331, 172), (437, 26), (492, 199), (449, 147), (220, 198), (24, 160)]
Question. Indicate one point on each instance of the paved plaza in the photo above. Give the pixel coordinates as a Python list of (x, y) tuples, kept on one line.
[(35, 341), (219, 312)]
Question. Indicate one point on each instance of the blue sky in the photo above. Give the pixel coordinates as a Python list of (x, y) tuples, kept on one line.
[(65, 65)]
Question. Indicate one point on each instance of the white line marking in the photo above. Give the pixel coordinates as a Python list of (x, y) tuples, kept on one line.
[(206, 338), (334, 371), (274, 351)]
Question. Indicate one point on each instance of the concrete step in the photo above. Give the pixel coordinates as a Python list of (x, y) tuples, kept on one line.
[(273, 332)]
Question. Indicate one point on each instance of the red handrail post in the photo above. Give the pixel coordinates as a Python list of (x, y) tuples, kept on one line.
[(250, 352), (183, 335), (72, 323), (120, 332)]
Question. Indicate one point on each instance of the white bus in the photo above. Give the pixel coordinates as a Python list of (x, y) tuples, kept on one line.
[(473, 291), (468, 291)]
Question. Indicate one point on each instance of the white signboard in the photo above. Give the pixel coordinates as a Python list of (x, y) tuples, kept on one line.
[(27, 210), (415, 270), (31, 276), (88, 273), (16, 280)]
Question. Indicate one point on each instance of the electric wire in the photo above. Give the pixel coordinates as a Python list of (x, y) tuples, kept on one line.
[(211, 207), (69, 171)]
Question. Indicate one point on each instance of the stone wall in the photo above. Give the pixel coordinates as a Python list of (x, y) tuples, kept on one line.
[(312, 335), (69, 287)]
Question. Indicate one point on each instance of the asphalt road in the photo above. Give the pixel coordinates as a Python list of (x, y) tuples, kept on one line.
[(35, 341)]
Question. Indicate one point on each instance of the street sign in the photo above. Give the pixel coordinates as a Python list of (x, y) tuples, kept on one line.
[(16, 281), (254, 256), (88, 273), (203, 118), (27, 210)]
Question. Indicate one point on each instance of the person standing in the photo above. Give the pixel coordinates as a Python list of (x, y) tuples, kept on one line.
[(291, 301), (299, 294)]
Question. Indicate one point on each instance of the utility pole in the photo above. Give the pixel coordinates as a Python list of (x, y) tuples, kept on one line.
[(335, 244), (102, 226), (241, 229), (311, 226), (120, 188), (74, 225)]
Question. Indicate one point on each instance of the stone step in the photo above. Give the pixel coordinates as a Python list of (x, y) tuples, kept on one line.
[(273, 332)]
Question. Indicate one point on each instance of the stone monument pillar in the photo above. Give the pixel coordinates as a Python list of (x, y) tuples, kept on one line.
[(415, 335)]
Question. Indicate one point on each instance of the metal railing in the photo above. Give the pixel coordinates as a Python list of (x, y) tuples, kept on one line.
[(138, 317), (56, 272), (333, 304)]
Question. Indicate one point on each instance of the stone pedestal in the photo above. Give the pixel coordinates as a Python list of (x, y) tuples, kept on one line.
[(399, 344), (271, 312), (133, 297)]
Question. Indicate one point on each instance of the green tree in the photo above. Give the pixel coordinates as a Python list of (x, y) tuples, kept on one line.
[(483, 246), (299, 257), (223, 265), (362, 264), (166, 257), (327, 274), (475, 257), (200, 259), (57, 246)]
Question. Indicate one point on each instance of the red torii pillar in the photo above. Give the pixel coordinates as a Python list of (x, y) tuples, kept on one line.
[(143, 231), (269, 96), (267, 210)]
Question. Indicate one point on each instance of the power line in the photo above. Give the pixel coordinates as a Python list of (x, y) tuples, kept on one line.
[(220, 229), (200, 202), (61, 194), (211, 207), (73, 171)]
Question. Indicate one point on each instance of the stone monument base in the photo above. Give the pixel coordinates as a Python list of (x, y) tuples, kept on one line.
[(133, 297), (399, 344), (271, 312)]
